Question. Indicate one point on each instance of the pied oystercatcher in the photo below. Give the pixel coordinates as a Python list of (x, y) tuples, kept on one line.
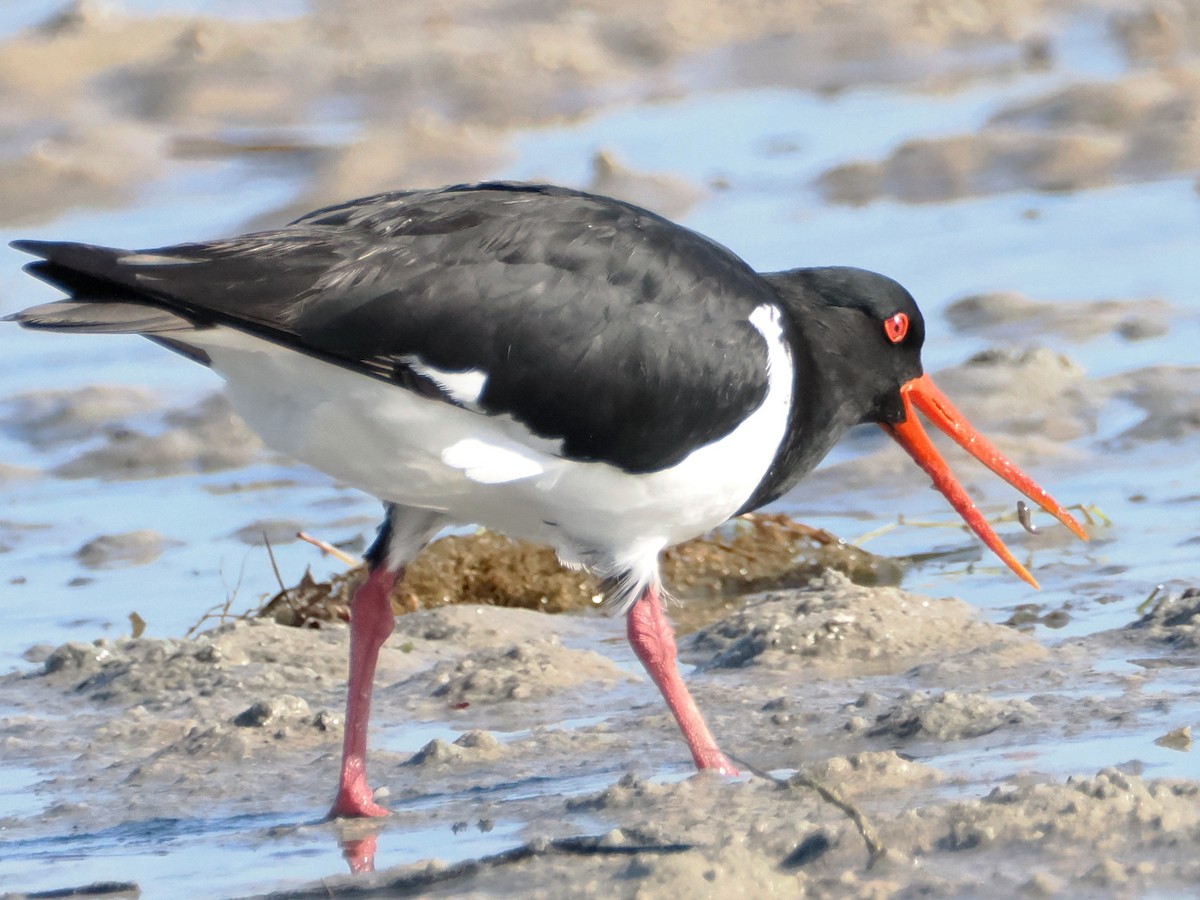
[(559, 366)]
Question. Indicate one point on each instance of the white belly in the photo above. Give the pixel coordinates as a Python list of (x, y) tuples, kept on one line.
[(489, 470)]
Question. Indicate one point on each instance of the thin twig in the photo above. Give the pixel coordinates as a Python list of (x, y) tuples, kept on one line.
[(284, 591), (287, 594), (866, 830), (1145, 604), (418, 883), (223, 614), (328, 548), (211, 613), (1090, 512)]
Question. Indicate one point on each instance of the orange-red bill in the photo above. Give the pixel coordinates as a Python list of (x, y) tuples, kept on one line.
[(924, 395)]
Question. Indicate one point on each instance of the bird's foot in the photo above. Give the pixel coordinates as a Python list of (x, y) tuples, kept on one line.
[(713, 760), (355, 800)]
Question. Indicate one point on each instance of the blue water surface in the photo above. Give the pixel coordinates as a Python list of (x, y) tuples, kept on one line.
[(1124, 241)]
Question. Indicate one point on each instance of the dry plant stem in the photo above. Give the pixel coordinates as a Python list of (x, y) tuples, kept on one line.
[(212, 613), (1092, 514), (328, 549), (285, 591), (866, 830)]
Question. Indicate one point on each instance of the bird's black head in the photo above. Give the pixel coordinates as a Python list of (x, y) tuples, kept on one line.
[(859, 336), (864, 327)]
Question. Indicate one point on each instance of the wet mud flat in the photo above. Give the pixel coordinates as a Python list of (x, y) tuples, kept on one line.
[(851, 708), (895, 743)]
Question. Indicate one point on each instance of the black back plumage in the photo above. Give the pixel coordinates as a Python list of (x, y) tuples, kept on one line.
[(597, 323)]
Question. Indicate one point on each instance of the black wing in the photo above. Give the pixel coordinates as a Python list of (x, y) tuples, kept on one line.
[(596, 322)]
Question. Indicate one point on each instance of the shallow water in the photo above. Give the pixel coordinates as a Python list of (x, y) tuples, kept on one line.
[(15, 17), (1123, 242), (255, 853)]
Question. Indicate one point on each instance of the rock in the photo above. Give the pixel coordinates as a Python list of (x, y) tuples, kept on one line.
[(283, 708), (517, 672), (131, 548), (839, 627), (50, 418), (950, 716), (664, 193), (469, 746), (1174, 620)]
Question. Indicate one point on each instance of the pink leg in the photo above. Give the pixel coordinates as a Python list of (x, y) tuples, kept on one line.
[(653, 641), (371, 622)]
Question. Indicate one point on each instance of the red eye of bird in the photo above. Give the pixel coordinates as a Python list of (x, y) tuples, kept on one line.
[(896, 327)]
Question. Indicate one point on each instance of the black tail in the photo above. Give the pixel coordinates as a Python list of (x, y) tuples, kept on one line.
[(103, 295), (81, 271)]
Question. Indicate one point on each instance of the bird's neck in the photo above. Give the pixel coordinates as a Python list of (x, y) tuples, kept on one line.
[(825, 394)]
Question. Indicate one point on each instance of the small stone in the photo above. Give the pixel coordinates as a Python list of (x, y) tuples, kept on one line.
[(328, 721), (1106, 873), (38, 653), (1043, 884), (614, 838), (1180, 739), (478, 740), (273, 711), (435, 752), (74, 655), (131, 548), (856, 724), (272, 532)]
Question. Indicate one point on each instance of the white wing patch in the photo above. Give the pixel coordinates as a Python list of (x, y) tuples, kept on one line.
[(464, 388), (154, 259), (486, 463)]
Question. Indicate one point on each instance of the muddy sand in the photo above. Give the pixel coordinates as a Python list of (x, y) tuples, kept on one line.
[(829, 695), (894, 744)]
